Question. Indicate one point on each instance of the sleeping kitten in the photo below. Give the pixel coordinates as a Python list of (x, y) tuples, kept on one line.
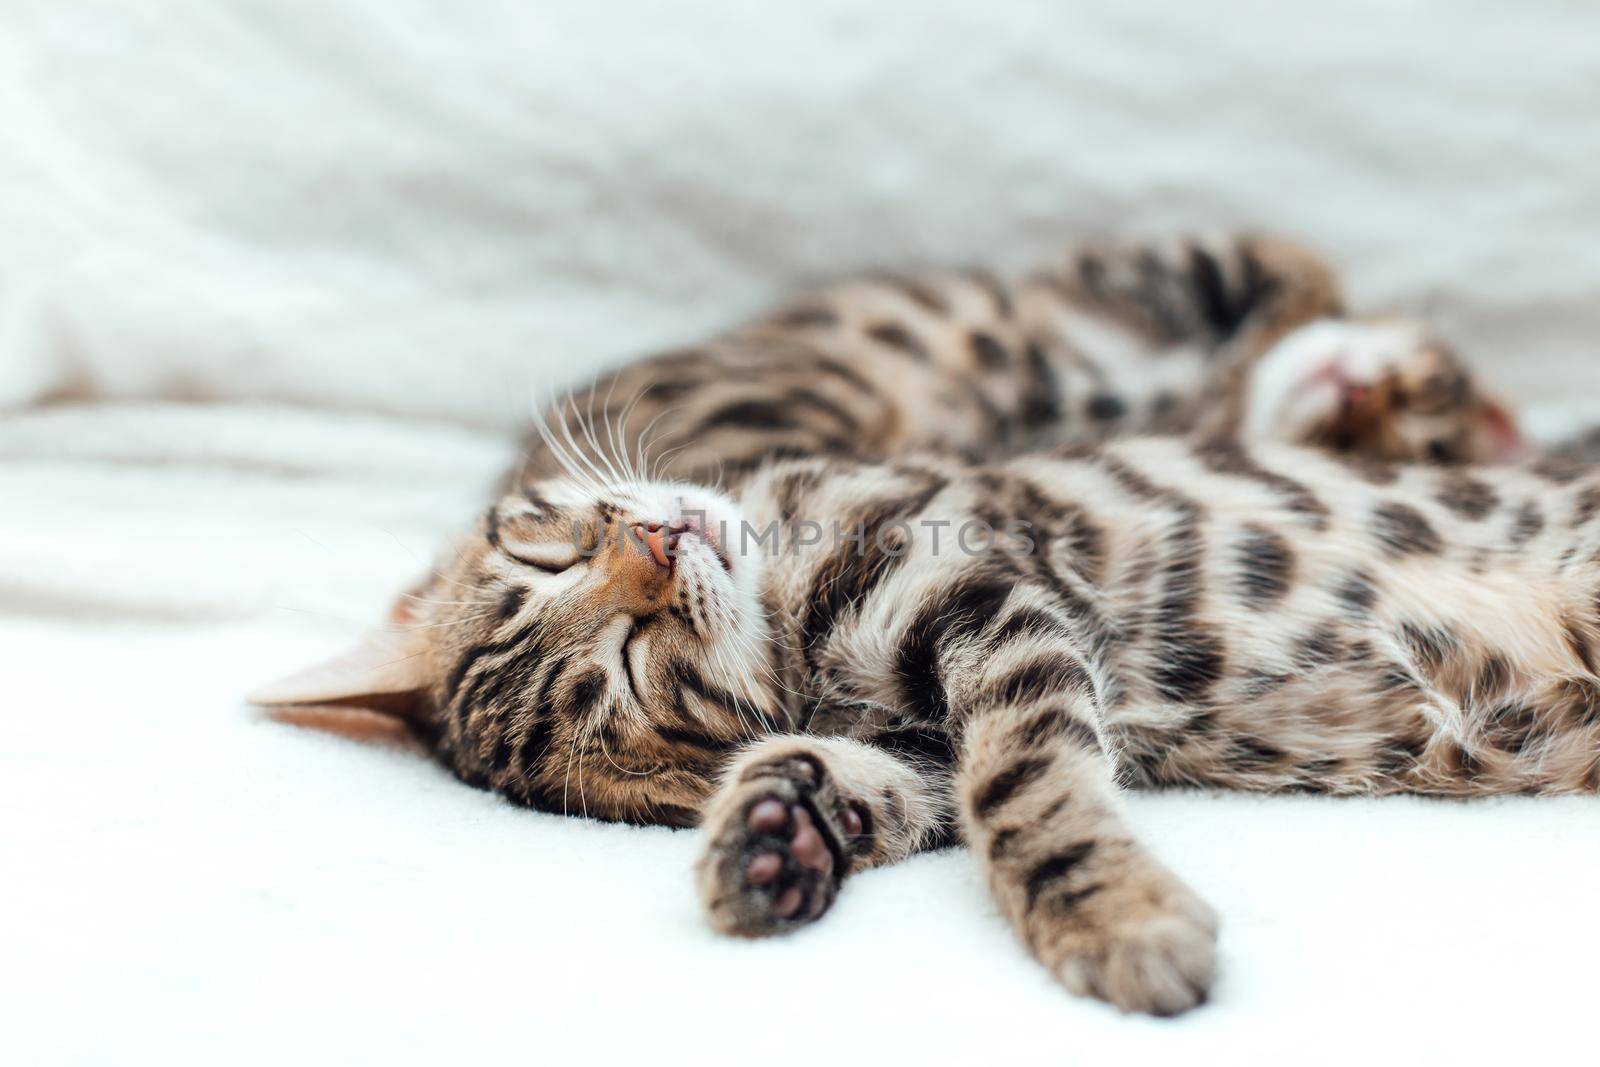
[(857, 656)]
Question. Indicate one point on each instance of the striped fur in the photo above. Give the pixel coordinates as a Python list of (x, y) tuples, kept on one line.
[(1215, 336), (1276, 622), (1213, 610)]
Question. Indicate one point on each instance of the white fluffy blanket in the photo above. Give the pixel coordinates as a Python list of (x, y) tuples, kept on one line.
[(422, 206), (423, 211)]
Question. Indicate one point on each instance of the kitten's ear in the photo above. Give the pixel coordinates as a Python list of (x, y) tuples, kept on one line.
[(1499, 439), (386, 671)]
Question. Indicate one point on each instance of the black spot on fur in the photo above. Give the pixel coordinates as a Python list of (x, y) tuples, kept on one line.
[(1492, 679), (1264, 683), (533, 743), (1041, 402), (1585, 506), (1370, 470), (1189, 667), (750, 414), (1105, 407), (1357, 592), (1265, 566), (1319, 769), (669, 390), (1463, 761), (585, 691), (1398, 756), (500, 757), (1429, 645), (1253, 754), (1467, 497), (1578, 640), (1578, 699), (1402, 530), (898, 337), (987, 352), (1395, 678), (491, 526), (512, 602), (1510, 727), (1223, 313), (1529, 524), (1318, 648), (1559, 469)]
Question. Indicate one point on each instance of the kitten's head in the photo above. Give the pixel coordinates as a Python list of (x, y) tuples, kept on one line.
[(593, 649), (1384, 388)]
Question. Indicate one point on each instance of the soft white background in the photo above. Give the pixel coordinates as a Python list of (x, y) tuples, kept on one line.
[(365, 234)]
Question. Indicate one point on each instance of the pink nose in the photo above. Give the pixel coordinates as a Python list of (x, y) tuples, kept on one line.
[(661, 540)]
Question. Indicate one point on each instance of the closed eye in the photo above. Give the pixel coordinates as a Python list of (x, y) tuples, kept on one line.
[(549, 564)]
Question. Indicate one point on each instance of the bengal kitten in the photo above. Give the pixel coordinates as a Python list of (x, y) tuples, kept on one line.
[(897, 640)]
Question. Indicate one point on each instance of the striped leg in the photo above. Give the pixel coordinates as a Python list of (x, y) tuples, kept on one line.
[(1160, 336), (1239, 288), (795, 815), (1040, 808)]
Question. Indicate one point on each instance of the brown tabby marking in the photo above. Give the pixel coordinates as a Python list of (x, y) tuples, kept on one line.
[(1149, 612)]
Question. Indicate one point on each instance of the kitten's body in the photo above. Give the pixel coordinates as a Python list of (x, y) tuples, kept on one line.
[(1157, 611), (1189, 615), (1109, 341), (1253, 619)]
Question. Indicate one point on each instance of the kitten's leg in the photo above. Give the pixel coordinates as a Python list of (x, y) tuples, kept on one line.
[(1099, 911), (1147, 336), (1244, 289), (795, 815), (1245, 336)]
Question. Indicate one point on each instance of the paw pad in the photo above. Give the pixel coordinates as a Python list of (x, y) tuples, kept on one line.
[(798, 872)]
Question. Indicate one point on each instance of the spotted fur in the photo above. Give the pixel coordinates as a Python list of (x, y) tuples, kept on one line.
[(805, 669), (1228, 337)]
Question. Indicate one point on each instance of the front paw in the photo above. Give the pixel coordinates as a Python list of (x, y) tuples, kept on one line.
[(1155, 954), (778, 851)]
